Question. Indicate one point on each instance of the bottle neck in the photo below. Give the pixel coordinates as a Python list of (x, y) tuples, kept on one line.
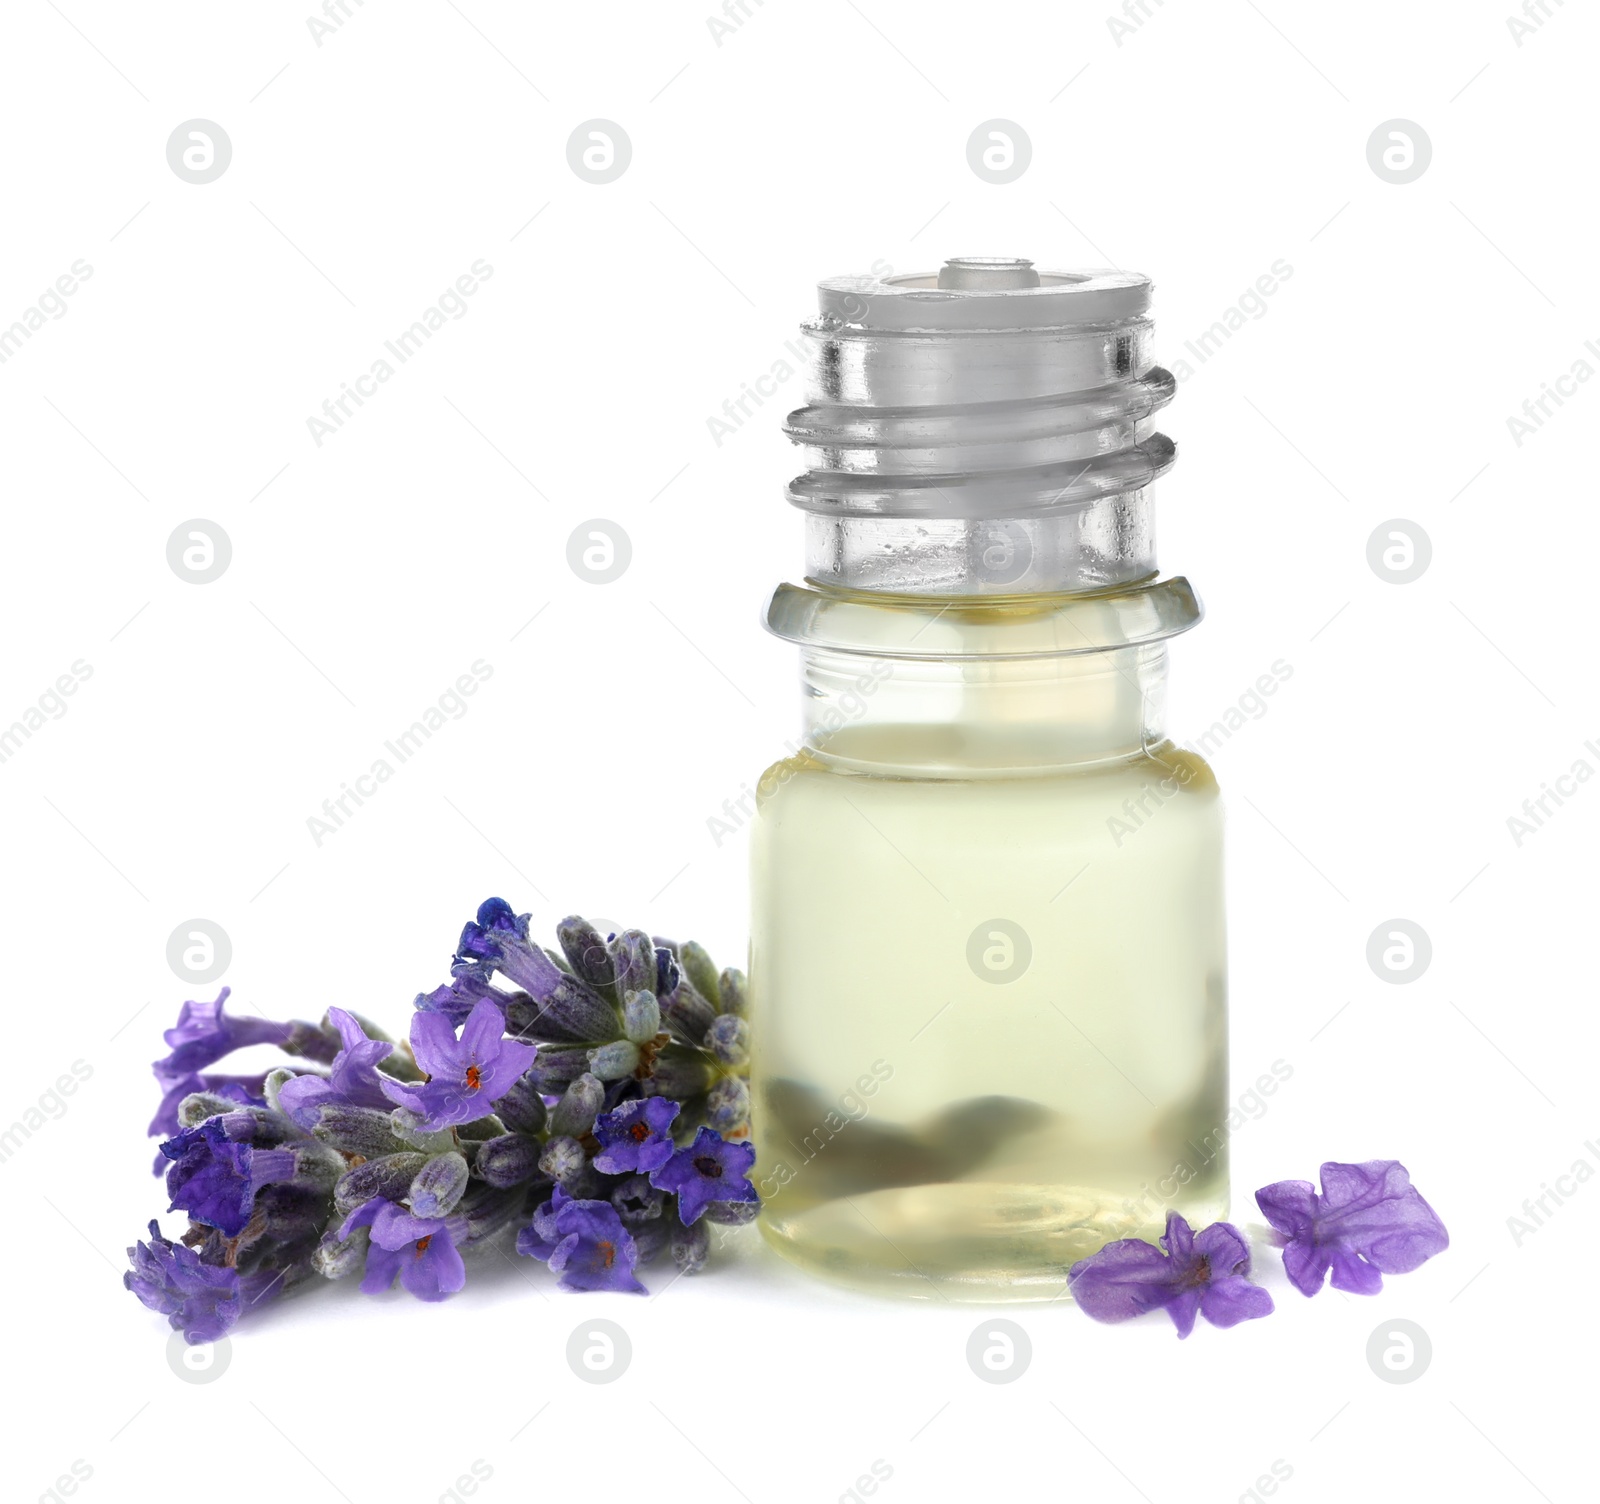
[(971, 717)]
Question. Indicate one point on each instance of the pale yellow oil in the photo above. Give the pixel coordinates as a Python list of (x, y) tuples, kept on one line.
[(921, 1129)]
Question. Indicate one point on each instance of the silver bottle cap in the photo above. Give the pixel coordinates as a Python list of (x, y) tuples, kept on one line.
[(988, 429)]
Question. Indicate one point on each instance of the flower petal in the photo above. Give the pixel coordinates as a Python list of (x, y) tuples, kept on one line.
[(1124, 1279), (1228, 1301)]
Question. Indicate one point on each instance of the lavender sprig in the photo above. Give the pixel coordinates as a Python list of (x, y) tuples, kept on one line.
[(593, 1097)]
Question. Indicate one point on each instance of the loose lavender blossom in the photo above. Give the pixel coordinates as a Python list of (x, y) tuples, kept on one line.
[(1368, 1221), (466, 1074), (200, 1300), (636, 1137), (1199, 1274), (419, 1251), (710, 1169), (352, 1080)]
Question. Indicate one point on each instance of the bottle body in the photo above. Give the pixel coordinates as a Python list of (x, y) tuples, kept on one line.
[(988, 977)]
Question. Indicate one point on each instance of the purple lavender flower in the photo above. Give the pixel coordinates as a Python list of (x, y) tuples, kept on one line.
[(1199, 1274), (203, 1035), (636, 1137), (1369, 1221), (216, 1171), (420, 1250), (710, 1169), (585, 1242), (499, 939), (352, 1081), (470, 982), (466, 1074), (200, 1300)]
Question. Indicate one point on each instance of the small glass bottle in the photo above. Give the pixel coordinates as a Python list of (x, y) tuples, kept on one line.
[(987, 971)]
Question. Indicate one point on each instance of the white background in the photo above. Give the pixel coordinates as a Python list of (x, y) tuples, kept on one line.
[(430, 531)]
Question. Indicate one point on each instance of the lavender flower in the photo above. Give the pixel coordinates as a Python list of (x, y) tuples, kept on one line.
[(200, 1300), (204, 1034), (466, 1074), (636, 1137), (470, 982), (499, 940), (585, 1242), (710, 1169), (1369, 1221), (421, 1251), (1199, 1274), (217, 1172), (352, 1081)]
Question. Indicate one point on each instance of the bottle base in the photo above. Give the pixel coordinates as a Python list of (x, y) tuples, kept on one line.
[(964, 1242)]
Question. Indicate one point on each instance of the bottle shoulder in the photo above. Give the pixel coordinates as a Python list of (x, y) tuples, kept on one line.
[(1181, 770)]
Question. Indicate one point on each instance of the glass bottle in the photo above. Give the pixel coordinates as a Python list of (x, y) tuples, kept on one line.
[(988, 974)]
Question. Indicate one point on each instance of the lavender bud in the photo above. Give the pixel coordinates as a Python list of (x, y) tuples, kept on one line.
[(641, 1017), (357, 1130), (508, 1160), (334, 1259), (634, 955), (679, 1073), (668, 972), (584, 948), (438, 1186), (317, 1166), (484, 1211), (689, 1013), (273, 1082), (728, 1039), (480, 1130), (574, 1115), (690, 1245), (731, 1213), (651, 1238), (701, 971), (195, 1108), (319, 1042), (389, 1177), (731, 986), (522, 1109), (407, 1127), (728, 1106), (611, 1062), (554, 1068), (563, 1159), (570, 1011)]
